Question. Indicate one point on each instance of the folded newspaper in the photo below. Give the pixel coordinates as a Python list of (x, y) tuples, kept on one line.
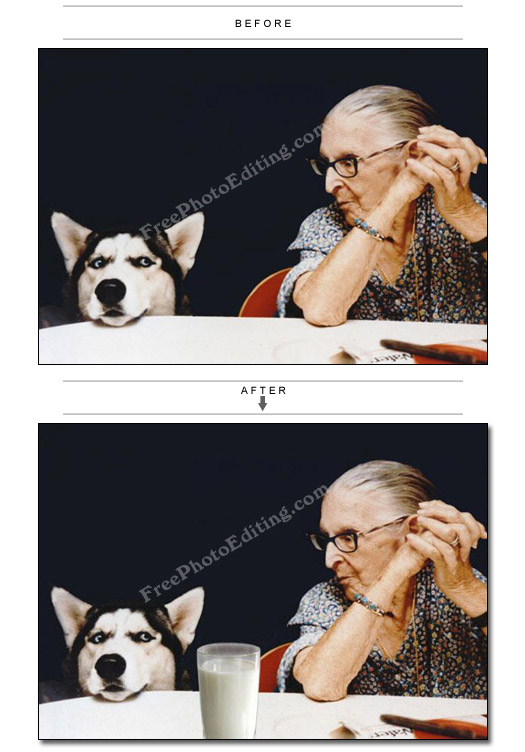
[(352, 727), (352, 354)]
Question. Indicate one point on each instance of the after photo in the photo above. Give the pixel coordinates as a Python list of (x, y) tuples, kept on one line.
[(269, 582)]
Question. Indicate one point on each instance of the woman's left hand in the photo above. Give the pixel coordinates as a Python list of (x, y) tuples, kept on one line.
[(446, 162), (446, 537)]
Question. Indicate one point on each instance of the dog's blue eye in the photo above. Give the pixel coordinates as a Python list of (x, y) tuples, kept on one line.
[(145, 637), (97, 638), (97, 263), (145, 261)]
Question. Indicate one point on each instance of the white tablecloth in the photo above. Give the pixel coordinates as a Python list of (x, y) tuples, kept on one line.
[(215, 340), (176, 715)]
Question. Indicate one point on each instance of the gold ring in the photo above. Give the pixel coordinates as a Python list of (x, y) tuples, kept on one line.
[(454, 167), (455, 542)]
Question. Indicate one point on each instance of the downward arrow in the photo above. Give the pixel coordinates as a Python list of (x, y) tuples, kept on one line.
[(262, 402)]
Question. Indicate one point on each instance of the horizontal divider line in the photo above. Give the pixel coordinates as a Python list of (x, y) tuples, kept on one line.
[(262, 39), (259, 413), (264, 5), (262, 381)]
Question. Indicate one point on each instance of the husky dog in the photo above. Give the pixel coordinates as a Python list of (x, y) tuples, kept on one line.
[(118, 276), (117, 651)]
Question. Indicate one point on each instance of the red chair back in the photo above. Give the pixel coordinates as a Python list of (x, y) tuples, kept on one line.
[(269, 664), (262, 301)]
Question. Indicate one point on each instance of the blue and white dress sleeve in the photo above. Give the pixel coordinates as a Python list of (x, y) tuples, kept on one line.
[(320, 232), (480, 201), (317, 611)]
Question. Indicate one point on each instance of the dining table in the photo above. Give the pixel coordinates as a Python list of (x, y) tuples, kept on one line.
[(176, 715), (199, 340)]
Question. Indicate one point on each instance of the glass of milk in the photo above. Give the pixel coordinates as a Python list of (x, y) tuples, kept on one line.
[(229, 689)]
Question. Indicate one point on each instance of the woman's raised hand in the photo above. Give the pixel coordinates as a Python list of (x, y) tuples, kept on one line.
[(407, 561), (446, 537), (446, 162), (407, 187)]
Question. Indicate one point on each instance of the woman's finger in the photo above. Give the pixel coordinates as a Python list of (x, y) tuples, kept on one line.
[(426, 548), (449, 158), (476, 529), (448, 533), (439, 135), (424, 172), (483, 530), (476, 154), (440, 510), (443, 137), (448, 178), (437, 128), (447, 513), (452, 516), (448, 553)]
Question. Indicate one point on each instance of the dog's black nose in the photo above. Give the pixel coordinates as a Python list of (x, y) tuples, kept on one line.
[(110, 291), (110, 666)]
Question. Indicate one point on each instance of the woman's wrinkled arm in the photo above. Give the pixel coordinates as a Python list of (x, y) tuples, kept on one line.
[(326, 295), (326, 669), (473, 600)]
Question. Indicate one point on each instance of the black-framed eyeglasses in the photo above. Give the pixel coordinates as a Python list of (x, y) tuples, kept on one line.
[(346, 542), (346, 167)]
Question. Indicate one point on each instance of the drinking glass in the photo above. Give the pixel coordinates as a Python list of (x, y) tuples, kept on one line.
[(229, 689)]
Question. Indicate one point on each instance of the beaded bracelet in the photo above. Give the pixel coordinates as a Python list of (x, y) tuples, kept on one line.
[(370, 605), (362, 225)]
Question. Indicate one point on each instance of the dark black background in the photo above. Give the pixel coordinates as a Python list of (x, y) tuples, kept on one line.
[(122, 506), (126, 135)]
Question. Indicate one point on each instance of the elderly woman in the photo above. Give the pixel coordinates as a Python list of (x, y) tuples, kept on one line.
[(405, 613), (405, 238)]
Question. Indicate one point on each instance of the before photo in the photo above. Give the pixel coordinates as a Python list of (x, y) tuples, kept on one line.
[(252, 206)]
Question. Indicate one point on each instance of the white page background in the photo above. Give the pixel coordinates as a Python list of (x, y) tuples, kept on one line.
[(33, 394)]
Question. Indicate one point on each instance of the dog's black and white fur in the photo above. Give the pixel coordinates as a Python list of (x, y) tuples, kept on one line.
[(116, 651), (118, 276)]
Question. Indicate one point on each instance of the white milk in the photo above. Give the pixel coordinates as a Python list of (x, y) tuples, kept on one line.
[(228, 692)]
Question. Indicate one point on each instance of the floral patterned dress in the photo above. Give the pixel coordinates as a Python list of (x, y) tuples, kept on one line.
[(452, 650), (451, 276)]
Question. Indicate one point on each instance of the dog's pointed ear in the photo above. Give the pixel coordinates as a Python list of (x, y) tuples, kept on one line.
[(71, 237), (184, 239), (184, 613), (71, 613)]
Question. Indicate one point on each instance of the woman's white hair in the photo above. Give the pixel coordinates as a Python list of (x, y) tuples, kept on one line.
[(404, 110), (400, 488)]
